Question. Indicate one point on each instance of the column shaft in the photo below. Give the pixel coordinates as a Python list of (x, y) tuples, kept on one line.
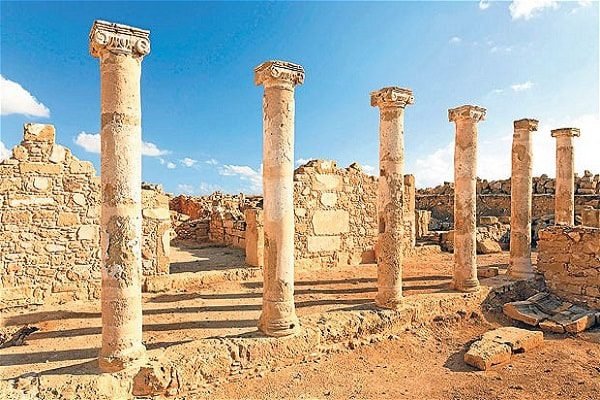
[(564, 206), (278, 317), (120, 49), (465, 196), (520, 201)]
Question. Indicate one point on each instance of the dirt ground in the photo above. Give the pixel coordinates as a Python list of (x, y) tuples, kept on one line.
[(422, 363)]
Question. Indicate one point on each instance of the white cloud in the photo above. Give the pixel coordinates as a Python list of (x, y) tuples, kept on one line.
[(171, 165), (497, 91), (484, 4), (90, 142), (436, 167), (520, 87), (188, 162), (14, 99), (186, 189), (528, 9), (212, 161), (245, 173), (455, 40), (4, 152), (581, 4)]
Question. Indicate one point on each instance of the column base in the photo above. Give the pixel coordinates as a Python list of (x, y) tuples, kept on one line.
[(278, 319), (520, 269), (389, 299), (467, 286), (122, 360)]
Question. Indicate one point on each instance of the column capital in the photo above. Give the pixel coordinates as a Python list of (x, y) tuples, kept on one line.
[(526, 123), (392, 96), (118, 39), (467, 112), (565, 132), (279, 71)]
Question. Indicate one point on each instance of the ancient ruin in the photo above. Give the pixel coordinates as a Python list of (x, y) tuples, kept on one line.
[(111, 288)]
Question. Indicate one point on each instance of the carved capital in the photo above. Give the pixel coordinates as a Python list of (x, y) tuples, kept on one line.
[(279, 71), (118, 39), (392, 96), (565, 132), (474, 113), (527, 124)]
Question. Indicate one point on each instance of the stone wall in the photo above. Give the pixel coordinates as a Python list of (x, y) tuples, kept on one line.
[(157, 231), (335, 215), (569, 258), (49, 224)]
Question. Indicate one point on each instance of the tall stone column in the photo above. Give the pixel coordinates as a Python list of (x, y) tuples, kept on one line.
[(390, 193), (465, 197), (120, 49), (564, 198), (279, 78), (520, 200)]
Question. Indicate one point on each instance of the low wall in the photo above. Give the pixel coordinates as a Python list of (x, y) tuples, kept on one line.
[(569, 258), (49, 224)]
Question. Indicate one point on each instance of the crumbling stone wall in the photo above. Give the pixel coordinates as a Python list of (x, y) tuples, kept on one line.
[(569, 258), (156, 229), (49, 224), (227, 227)]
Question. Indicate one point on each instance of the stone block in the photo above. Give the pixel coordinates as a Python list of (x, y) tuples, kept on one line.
[(157, 213), (524, 311), (40, 168), (58, 154), (88, 232), (28, 201), (327, 182), (67, 219), (82, 167), (488, 246), (331, 222), (39, 133), (485, 354), (488, 220), (317, 244), (16, 217), (329, 199)]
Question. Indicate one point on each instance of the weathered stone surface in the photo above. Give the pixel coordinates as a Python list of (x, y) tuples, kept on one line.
[(328, 199), (524, 311), (497, 346), (323, 243), (156, 213), (326, 222), (488, 246)]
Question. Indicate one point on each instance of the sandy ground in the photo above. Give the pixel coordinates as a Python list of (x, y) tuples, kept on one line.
[(424, 363)]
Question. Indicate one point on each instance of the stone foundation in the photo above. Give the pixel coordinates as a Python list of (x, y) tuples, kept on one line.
[(569, 258)]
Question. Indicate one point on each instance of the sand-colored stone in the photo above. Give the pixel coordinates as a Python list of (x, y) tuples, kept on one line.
[(564, 209), (254, 237), (279, 78), (390, 195), (521, 194), (120, 49), (465, 177)]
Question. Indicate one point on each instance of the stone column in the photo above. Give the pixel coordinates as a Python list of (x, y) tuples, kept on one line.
[(564, 198), (120, 49), (520, 200), (278, 317), (465, 196), (390, 193)]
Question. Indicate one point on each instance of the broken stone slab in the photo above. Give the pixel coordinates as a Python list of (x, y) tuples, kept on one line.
[(575, 319), (525, 311), (488, 246), (487, 272), (497, 346)]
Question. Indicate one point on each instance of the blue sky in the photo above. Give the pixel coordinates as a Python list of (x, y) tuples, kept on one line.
[(202, 113)]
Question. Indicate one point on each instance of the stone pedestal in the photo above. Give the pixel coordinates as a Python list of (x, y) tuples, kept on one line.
[(465, 198), (520, 200), (279, 78), (390, 195), (120, 49), (564, 198)]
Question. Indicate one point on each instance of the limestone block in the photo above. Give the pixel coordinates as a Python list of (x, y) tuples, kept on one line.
[(40, 168), (488, 220), (317, 244), (79, 199), (16, 217), (81, 167), (329, 199), (524, 311), (41, 183), (156, 213), (331, 222), (67, 219), (58, 154), (55, 248), (8, 184), (300, 212), (488, 246), (484, 354), (88, 232), (327, 182), (20, 153), (39, 133)]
